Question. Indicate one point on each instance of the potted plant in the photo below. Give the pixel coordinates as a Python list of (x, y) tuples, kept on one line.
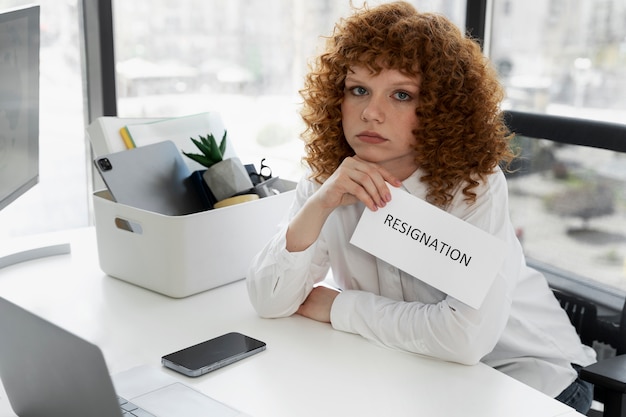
[(224, 177)]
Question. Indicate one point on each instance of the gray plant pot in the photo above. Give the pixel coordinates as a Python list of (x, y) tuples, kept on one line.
[(227, 178)]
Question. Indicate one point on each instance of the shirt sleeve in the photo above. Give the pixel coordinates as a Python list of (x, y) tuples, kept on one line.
[(449, 329), (279, 281)]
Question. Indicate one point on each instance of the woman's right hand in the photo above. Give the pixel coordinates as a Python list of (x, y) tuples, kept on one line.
[(356, 180)]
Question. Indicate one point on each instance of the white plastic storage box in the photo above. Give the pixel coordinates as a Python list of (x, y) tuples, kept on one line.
[(183, 255)]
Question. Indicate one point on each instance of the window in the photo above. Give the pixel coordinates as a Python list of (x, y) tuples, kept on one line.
[(60, 200), (569, 59), (569, 205), (562, 57), (243, 59)]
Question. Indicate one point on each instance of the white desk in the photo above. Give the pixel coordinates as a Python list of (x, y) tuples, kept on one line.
[(308, 369)]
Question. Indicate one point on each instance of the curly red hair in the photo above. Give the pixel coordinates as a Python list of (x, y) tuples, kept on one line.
[(461, 135)]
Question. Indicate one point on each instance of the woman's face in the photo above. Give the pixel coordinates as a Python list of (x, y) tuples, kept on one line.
[(378, 116)]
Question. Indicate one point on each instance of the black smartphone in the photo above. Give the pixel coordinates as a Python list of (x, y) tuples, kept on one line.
[(213, 354)]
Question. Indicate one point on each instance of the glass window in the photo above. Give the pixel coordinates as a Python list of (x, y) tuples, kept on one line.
[(562, 57), (569, 206), (60, 200), (567, 58), (244, 59)]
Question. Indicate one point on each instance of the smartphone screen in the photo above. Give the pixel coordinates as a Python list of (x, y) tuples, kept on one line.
[(213, 354)]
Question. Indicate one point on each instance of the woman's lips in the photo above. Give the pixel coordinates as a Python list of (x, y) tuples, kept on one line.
[(370, 137)]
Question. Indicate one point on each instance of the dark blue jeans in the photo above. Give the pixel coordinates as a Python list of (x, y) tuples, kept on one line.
[(578, 395)]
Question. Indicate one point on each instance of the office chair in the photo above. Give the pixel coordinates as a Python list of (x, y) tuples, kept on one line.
[(607, 375)]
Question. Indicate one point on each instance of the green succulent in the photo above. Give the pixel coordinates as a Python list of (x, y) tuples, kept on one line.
[(211, 152)]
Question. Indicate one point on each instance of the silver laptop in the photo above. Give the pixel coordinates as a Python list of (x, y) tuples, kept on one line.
[(47, 371)]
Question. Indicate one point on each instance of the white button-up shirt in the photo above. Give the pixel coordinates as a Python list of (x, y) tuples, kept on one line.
[(520, 329)]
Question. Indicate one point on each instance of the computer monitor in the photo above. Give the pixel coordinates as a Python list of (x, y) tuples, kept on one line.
[(19, 117), (19, 102)]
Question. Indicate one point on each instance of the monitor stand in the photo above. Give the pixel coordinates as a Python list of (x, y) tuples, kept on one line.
[(14, 250), (34, 253)]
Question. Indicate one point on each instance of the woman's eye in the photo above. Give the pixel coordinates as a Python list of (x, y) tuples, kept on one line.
[(358, 91), (402, 96)]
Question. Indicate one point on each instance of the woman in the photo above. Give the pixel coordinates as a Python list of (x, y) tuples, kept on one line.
[(402, 99)]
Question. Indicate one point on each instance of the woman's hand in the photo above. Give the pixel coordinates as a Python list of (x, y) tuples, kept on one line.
[(357, 180), (318, 304)]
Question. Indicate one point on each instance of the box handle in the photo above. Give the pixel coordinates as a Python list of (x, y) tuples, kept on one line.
[(128, 225)]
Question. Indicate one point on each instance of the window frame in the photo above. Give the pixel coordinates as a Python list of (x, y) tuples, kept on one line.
[(99, 58)]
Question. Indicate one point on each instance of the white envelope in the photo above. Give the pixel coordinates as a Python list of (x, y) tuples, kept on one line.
[(432, 245)]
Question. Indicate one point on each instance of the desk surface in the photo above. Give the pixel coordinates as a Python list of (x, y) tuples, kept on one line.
[(308, 369)]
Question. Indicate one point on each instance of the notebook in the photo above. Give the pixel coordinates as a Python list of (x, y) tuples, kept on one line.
[(47, 371), (152, 177)]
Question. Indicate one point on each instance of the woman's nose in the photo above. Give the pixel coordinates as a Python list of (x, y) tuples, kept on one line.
[(373, 111)]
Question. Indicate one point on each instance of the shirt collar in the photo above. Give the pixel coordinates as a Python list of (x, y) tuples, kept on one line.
[(414, 186)]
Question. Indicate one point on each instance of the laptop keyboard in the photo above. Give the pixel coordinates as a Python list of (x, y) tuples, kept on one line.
[(129, 409)]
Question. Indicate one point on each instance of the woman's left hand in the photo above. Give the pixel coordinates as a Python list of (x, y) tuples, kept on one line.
[(318, 304)]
